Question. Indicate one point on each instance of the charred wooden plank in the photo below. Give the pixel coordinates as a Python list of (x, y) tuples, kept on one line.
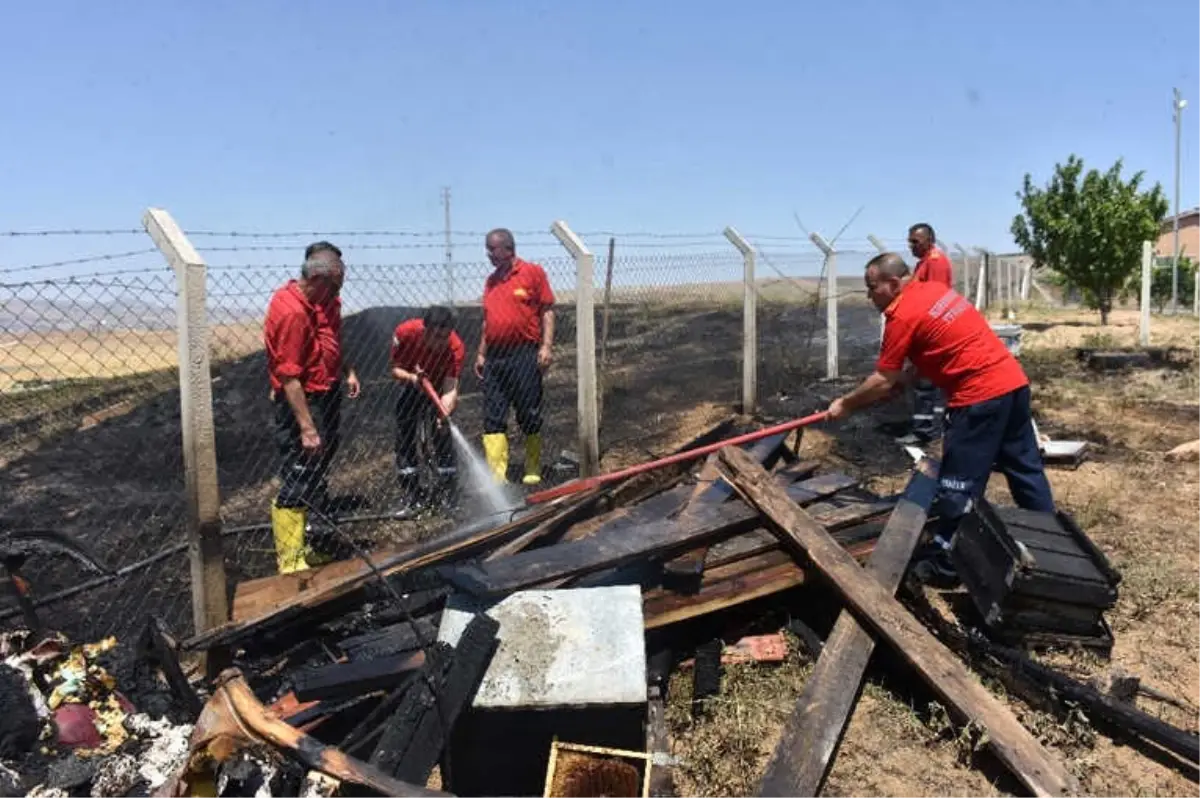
[(154, 643), (711, 489), (460, 543), (618, 545), (847, 511), (395, 639), (730, 585), (945, 674), (420, 728), (813, 731), (342, 680)]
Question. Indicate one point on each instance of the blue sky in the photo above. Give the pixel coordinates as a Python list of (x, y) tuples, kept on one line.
[(625, 116)]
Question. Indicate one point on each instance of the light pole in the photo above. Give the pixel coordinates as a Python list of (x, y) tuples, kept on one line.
[(1177, 106)]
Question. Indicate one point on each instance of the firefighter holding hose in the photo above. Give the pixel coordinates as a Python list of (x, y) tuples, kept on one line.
[(515, 350), (302, 337), (989, 421), (427, 348)]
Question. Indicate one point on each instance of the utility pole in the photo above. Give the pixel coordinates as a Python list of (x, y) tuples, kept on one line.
[(449, 249), (1177, 106)]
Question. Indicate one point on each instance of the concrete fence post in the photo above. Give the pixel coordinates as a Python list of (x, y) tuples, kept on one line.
[(749, 322), (831, 305), (201, 488), (875, 242), (981, 281), (966, 269), (1147, 269), (585, 347)]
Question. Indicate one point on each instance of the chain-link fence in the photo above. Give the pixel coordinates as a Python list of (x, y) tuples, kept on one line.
[(90, 435)]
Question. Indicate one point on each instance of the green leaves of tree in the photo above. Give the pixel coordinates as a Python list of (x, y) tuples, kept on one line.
[(1089, 227)]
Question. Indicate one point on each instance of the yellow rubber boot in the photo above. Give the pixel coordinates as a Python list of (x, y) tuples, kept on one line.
[(533, 459), (287, 524), (495, 447)]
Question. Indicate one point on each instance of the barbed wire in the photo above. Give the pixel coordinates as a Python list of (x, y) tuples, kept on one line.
[(72, 232), (77, 261)]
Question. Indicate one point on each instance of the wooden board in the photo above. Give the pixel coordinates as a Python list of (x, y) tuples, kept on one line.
[(873, 605), (834, 516), (729, 585), (619, 544), (257, 596), (812, 732), (457, 543), (711, 489)]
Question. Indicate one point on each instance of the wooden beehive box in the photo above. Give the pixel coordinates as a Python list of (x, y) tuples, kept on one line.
[(586, 771), (1035, 578)]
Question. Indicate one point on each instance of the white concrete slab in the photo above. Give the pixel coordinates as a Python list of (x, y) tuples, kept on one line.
[(559, 648)]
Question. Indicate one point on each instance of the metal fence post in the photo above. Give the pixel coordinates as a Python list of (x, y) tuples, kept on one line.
[(749, 322), (966, 269), (831, 305), (1147, 268), (875, 242), (201, 489), (585, 347)]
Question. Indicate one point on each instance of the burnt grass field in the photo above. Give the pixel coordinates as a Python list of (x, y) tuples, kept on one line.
[(102, 463)]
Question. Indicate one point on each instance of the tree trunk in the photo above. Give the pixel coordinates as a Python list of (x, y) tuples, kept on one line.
[(1104, 309)]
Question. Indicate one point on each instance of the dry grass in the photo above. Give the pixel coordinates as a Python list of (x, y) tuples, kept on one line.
[(1141, 510)]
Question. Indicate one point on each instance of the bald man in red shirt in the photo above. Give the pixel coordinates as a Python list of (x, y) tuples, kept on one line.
[(989, 419)]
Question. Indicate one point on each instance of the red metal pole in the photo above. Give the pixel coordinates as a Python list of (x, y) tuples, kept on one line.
[(427, 386), (691, 454)]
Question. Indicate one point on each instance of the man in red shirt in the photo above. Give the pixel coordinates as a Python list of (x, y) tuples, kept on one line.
[(932, 263), (516, 347), (989, 421), (929, 405), (302, 337), (426, 347)]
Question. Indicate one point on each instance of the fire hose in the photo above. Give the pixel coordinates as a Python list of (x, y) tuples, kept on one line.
[(432, 393), (587, 483)]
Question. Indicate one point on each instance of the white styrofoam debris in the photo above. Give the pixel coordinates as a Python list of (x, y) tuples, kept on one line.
[(168, 749), (115, 776)]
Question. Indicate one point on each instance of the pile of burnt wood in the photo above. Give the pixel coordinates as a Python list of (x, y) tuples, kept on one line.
[(401, 673)]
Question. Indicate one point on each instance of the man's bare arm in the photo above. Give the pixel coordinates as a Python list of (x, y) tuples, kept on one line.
[(548, 327), (294, 393), (871, 390)]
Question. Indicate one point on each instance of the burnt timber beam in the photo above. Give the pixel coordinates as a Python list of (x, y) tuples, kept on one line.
[(814, 729)]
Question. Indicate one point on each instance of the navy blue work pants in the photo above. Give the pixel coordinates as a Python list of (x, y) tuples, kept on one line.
[(511, 378), (995, 434)]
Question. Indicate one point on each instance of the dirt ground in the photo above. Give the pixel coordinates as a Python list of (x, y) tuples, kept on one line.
[(1141, 510)]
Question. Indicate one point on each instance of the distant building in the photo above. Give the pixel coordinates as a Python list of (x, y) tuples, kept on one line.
[(1189, 236)]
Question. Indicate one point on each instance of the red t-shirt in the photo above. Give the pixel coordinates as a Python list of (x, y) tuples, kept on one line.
[(297, 337), (329, 332), (513, 305), (950, 344), (935, 267), (409, 351)]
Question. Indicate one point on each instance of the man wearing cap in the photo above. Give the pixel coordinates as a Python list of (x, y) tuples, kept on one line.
[(427, 348), (989, 421), (302, 337), (515, 349)]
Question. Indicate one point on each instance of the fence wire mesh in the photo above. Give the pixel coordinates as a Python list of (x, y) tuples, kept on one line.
[(90, 437)]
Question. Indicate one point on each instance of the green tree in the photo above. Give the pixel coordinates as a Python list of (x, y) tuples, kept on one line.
[(1161, 278), (1089, 228)]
